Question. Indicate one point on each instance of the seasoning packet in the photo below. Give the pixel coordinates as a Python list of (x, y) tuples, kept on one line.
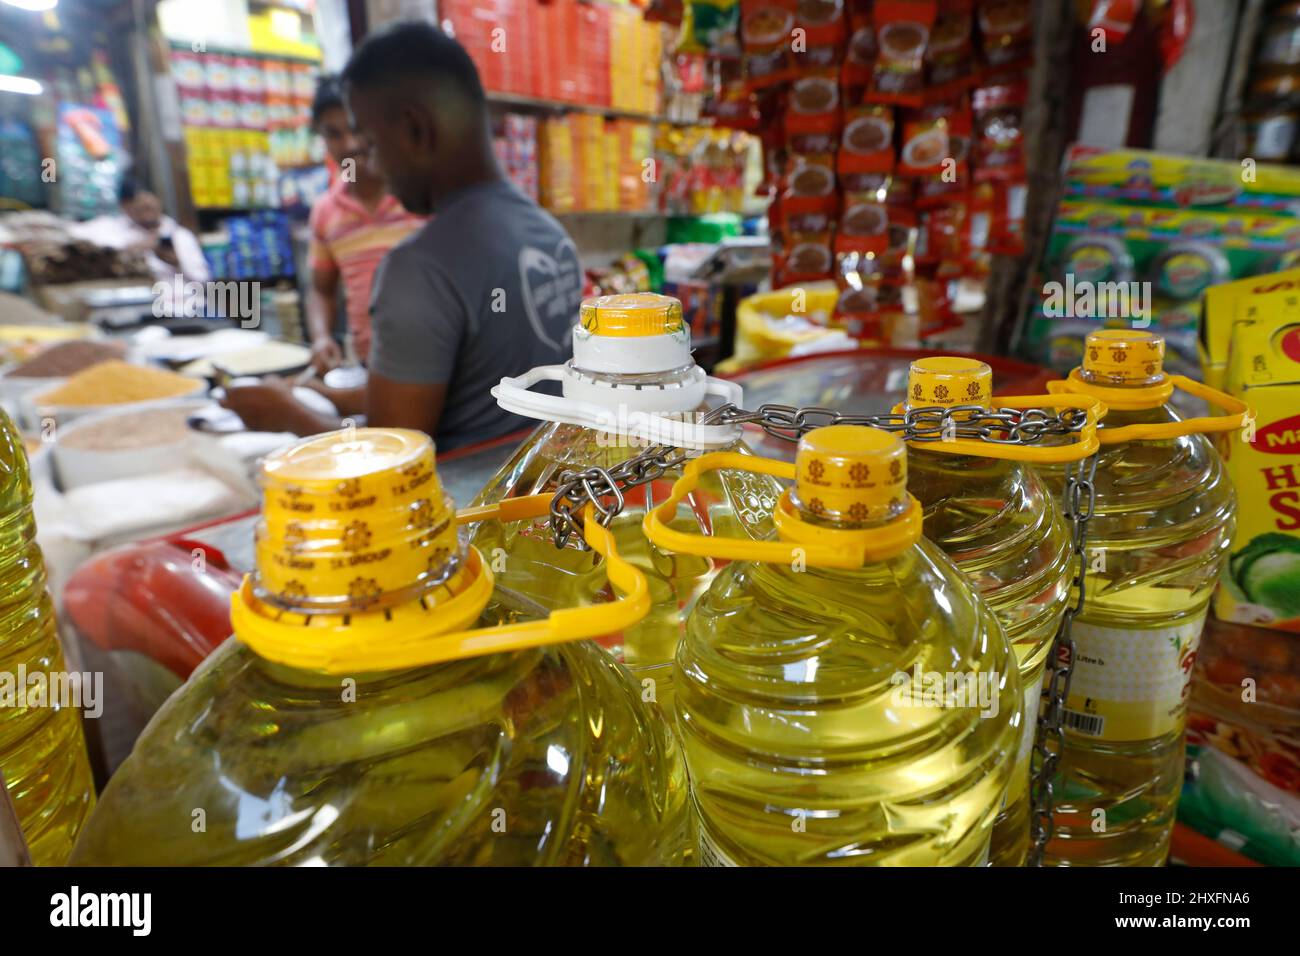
[(861, 50), (803, 257), (950, 55), (808, 201), (766, 28), (812, 118), (902, 34), (1006, 31), (999, 145), (824, 31), (866, 142)]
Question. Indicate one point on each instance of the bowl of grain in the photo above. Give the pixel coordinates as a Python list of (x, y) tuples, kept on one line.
[(106, 385), (124, 442)]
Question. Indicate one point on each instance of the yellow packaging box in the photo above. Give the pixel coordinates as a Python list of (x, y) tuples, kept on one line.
[(1221, 306), (1261, 583)]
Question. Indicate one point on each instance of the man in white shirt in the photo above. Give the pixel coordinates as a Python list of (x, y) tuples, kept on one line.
[(169, 247)]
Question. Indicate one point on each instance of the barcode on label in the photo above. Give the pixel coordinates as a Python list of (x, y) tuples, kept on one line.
[(1089, 724)]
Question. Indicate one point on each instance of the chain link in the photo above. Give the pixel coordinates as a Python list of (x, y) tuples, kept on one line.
[(1049, 737), (576, 490)]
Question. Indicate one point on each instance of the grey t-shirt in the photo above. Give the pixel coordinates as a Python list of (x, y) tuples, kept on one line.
[(489, 287)]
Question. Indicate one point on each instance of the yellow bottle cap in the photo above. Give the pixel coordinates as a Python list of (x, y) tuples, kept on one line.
[(353, 520), (632, 315), (1123, 357), (851, 473), (948, 380)]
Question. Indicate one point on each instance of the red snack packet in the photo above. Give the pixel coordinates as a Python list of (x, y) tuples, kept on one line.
[(866, 143), (925, 146), (808, 201), (804, 257), (1006, 31), (950, 56), (902, 33), (860, 52), (824, 29), (863, 224), (766, 28), (812, 118), (998, 150)]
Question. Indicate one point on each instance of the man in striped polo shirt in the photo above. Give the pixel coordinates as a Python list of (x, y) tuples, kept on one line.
[(352, 228)]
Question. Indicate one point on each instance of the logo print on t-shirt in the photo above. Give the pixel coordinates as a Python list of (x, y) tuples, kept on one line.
[(552, 288)]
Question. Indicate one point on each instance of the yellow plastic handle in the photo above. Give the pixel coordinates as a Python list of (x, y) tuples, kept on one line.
[(1153, 396), (422, 632), (1086, 443), (812, 545)]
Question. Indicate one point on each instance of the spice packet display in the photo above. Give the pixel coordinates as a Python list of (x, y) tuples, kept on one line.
[(950, 55), (902, 33), (1006, 32), (866, 143), (863, 224), (766, 29), (999, 146), (813, 117)]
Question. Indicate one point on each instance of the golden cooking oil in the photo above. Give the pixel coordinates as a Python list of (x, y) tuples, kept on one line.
[(626, 337), (864, 716), (538, 756), (996, 520), (1159, 535), (42, 746)]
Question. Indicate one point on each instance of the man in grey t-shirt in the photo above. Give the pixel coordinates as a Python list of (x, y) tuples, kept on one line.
[(489, 287)]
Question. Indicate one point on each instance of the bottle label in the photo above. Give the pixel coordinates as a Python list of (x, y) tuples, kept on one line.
[(1130, 684)]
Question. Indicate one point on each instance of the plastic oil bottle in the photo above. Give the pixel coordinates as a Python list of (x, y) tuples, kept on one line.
[(352, 720), (997, 521), (631, 370), (1157, 540), (42, 747), (843, 696)]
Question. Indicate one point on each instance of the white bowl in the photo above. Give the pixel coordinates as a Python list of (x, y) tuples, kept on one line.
[(75, 467)]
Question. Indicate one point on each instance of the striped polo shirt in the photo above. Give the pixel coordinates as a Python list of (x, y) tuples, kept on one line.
[(350, 240)]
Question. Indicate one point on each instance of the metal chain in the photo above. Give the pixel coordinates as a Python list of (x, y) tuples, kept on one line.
[(577, 489), (1049, 738)]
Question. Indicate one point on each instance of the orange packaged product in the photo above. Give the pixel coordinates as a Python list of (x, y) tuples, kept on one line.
[(950, 55), (804, 257), (824, 29), (766, 30), (1006, 31), (866, 143), (999, 144), (863, 224), (813, 118), (808, 201), (902, 34), (860, 51), (925, 146)]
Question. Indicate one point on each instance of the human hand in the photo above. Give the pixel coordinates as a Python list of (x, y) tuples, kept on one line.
[(270, 407), (325, 355)]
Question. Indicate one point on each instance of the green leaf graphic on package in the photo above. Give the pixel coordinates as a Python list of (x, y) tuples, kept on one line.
[(1267, 572)]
